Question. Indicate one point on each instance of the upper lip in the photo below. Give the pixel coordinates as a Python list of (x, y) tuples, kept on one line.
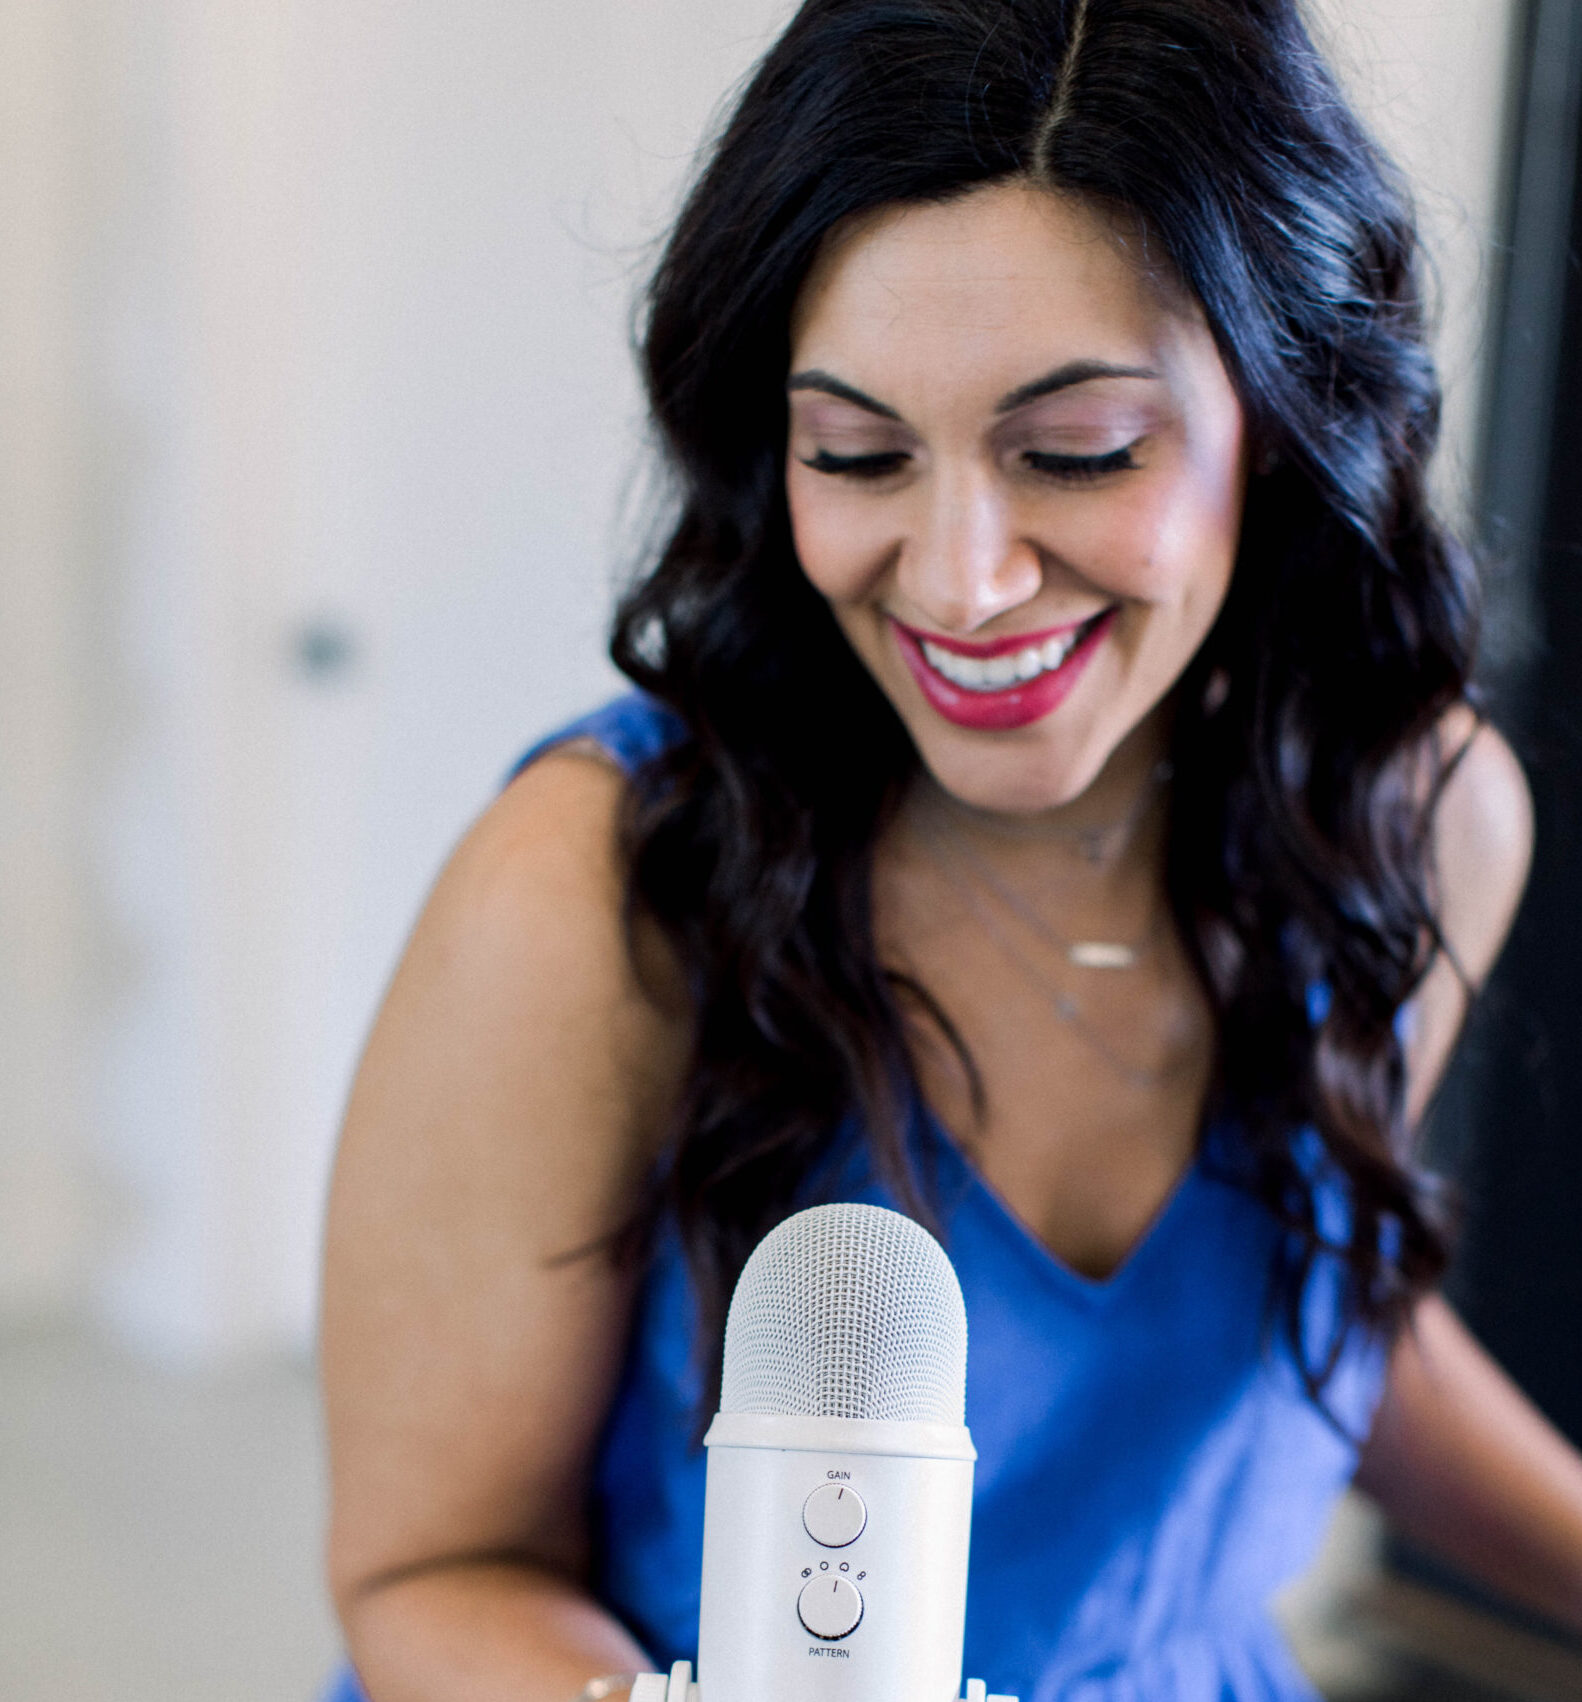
[(996, 646)]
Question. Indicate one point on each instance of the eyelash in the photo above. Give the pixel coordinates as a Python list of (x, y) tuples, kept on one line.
[(1077, 469), (1072, 469), (856, 466)]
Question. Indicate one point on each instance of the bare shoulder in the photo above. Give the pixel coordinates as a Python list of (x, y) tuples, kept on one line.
[(549, 837), (520, 1039), (1483, 839), (513, 1092), (531, 912)]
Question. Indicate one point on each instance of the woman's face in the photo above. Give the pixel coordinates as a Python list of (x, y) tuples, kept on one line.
[(1015, 471)]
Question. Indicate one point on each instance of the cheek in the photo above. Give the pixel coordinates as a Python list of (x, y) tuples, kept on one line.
[(1213, 498), (821, 550), (1175, 545), (1196, 550), (837, 542)]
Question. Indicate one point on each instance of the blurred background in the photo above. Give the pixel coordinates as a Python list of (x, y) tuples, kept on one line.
[(320, 455)]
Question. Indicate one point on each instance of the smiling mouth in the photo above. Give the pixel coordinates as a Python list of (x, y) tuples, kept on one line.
[(1008, 668)]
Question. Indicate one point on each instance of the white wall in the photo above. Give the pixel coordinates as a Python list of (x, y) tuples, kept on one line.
[(375, 345), (48, 973), (1431, 77), (324, 315)]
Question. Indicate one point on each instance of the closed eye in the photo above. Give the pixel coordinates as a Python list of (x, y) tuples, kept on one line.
[(858, 466), (1076, 469)]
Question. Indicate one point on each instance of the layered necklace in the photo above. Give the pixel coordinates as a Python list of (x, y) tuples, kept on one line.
[(989, 899)]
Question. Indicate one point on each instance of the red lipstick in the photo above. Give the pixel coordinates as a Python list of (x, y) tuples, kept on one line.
[(1015, 705)]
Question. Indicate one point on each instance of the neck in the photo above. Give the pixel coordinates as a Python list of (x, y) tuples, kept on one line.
[(1113, 832)]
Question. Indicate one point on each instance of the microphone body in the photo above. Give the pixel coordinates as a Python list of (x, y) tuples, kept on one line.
[(839, 1491), (788, 1618)]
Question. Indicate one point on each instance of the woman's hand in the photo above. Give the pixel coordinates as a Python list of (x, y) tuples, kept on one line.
[(508, 1105)]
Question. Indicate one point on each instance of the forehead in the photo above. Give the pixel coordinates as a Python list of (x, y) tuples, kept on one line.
[(984, 289)]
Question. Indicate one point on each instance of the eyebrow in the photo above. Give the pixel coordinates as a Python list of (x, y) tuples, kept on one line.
[(814, 379), (1062, 378)]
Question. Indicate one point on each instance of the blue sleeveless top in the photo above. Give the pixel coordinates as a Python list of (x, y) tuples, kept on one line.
[(1150, 1468)]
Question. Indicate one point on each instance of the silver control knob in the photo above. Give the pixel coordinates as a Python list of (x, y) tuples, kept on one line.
[(834, 1515), (831, 1608)]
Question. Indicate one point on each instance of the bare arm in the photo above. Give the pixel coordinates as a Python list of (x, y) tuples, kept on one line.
[(504, 1113), (1459, 1458), (1467, 1466)]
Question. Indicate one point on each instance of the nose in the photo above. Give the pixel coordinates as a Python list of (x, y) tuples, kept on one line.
[(964, 562)]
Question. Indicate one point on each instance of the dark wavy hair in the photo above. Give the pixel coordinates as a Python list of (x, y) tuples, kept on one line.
[(1298, 853)]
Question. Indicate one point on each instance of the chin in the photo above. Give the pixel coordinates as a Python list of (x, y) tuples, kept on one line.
[(1016, 779)]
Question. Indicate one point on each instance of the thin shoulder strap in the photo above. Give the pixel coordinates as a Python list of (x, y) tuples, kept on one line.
[(631, 730)]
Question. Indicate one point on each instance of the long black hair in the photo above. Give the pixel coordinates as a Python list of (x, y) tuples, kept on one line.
[(1298, 854)]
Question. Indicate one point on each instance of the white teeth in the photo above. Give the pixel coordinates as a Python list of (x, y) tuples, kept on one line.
[(995, 673), (1000, 670)]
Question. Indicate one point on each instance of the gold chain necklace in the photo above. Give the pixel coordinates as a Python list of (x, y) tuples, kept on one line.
[(1082, 954), (1060, 1001), (1096, 845)]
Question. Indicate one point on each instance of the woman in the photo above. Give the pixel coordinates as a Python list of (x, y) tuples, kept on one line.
[(1055, 808)]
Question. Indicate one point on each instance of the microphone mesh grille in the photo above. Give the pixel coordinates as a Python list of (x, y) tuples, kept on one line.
[(847, 1311)]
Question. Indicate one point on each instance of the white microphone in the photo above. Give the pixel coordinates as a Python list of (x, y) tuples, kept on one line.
[(839, 1497)]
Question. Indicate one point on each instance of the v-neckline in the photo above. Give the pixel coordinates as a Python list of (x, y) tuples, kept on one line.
[(1096, 1288)]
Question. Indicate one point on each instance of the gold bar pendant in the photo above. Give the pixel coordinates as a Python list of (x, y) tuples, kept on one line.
[(1101, 954)]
